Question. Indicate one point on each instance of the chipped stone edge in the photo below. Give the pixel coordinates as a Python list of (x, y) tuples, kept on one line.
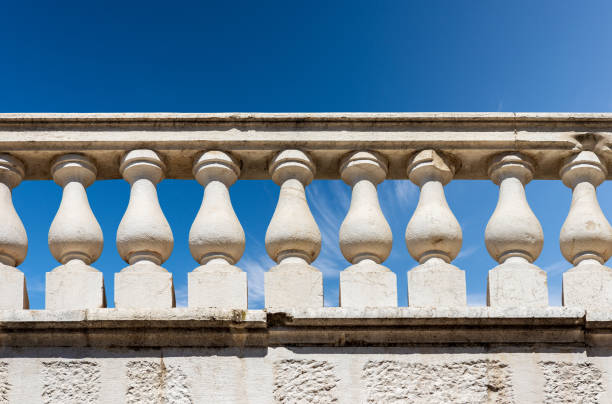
[(430, 316), (130, 318)]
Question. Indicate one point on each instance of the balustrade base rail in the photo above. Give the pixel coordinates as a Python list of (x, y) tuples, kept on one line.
[(307, 327)]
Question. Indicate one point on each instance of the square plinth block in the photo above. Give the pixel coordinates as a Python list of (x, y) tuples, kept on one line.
[(436, 285), (517, 285), (13, 292), (289, 289), (144, 290), (588, 286), (368, 289), (74, 290), (227, 290)]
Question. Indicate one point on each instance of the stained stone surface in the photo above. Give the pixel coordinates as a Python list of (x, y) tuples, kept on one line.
[(568, 382), (13, 291), (5, 386), (345, 375), (325, 355), (312, 381), (475, 381), (150, 382), (70, 382)]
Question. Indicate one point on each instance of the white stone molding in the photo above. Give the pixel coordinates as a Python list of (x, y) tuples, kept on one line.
[(433, 236), (293, 238), (13, 237), (144, 237), (75, 239), (514, 237), (365, 235), (586, 235), (216, 238)]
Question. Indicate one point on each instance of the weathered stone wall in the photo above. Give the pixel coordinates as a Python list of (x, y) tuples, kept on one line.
[(501, 374), (330, 355)]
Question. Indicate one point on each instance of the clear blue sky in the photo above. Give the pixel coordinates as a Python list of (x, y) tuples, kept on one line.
[(328, 56)]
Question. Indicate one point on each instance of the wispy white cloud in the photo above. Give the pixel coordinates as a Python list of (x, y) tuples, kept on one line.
[(405, 192), (557, 268), (331, 297), (554, 295), (180, 294), (477, 299), (35, 284), (255, 268), (329, 202), (467, 252), (397, 198), (500, 105), (330, 265)]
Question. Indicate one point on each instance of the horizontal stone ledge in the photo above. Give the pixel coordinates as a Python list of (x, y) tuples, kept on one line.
[(327, 316), (255, 148), (132, 318), (408, 316), (184, 327), (473, 138)]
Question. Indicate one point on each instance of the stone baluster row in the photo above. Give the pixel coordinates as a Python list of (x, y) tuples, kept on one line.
[(13, 238), (513, 236)]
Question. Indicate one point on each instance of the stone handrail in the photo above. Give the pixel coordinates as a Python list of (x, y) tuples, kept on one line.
[(293, 150)]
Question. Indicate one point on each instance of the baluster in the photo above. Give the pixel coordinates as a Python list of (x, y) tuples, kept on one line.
[(75, 240), (216, 238), (365, 236), (13, 238), (433, 236), (514, 238), (586, 235), (293, 239), (144, 237)]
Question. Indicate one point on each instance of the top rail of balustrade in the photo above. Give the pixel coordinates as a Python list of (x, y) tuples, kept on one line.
[(471, 137)]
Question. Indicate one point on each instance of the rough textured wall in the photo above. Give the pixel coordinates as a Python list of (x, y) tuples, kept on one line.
[(511, 374), (473, 381)]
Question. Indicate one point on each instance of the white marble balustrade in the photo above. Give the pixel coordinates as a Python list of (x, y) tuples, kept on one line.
[(293, 151)]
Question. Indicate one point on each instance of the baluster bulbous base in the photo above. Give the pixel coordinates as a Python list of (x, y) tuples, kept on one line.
[(436, 283), (144, 284), (13, 292), (588, 285), (217, 284), (517, 282), (368, 284), (74, 285), (293, 283)]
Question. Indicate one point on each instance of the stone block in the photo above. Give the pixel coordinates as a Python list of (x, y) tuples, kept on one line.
[(146, 290), (436, 285), (227, 290), (66, 290), (13, 292), (289, 288), (368, 289), (516, 284), (588, 285)]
